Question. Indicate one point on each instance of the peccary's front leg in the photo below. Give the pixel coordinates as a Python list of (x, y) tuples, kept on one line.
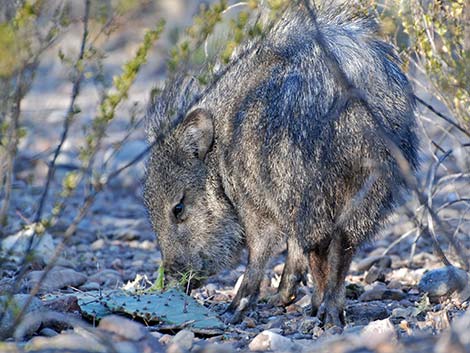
[(294, 272), (260, 248)]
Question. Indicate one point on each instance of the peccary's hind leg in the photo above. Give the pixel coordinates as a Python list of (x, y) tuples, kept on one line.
[(340, 253), (260, 248), (318, 261), (295, 271)]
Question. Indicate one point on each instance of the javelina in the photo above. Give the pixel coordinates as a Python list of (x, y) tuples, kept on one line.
[(266, 157)]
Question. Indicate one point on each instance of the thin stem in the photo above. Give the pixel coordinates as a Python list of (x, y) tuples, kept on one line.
[(442, 116), (399, 240), (12, 148), (70, 112), (57, 252)]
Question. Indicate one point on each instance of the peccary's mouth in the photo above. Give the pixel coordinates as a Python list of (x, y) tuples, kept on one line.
[(194, 284), (187, 281)]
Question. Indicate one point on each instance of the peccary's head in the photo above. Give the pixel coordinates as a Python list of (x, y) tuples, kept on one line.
[(196, 226)]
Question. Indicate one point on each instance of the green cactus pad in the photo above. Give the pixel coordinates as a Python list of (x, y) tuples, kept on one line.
[(92, 304), (171, 307)]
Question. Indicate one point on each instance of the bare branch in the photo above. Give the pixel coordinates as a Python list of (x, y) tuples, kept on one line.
[(442, 116), (70, 111)]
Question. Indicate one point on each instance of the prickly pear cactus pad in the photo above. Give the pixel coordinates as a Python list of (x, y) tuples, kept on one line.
[(171, 307), (92, 304)]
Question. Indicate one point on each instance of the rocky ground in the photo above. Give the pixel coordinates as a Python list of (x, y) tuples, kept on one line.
[(394, 303), (398, 299)]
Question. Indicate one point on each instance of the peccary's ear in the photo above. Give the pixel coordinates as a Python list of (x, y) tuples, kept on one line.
[(197, 133)]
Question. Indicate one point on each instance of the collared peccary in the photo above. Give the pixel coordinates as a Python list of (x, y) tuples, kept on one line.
[(278, 151)]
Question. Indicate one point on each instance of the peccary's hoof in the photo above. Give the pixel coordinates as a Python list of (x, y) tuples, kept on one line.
[(232, 318), (331, 316), (334, 330), (238, 308), (280, 300)]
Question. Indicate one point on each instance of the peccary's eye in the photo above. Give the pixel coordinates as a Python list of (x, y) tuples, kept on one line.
[(178, 210)]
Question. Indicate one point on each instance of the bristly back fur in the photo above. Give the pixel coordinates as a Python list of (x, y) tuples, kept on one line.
[(336, 21)]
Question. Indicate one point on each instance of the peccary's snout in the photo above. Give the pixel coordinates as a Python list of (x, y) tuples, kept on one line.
[(178, 271), (183, 266)]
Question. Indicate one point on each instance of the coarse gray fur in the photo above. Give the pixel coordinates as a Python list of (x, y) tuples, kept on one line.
[(263, 159)]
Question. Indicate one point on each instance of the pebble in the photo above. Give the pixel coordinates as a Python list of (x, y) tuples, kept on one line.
[(382, 293), (443, 281), (66, 342), (374, 274), (378, 269), (249, 322), (394, 284), (126, 347), (165, 339), (293, 308), (405, 303), (421, 259), (64, 304), (117, 264), (333, 331), (89, 286), (377, 332), (397, 262), (365, 312), (18, 244), (213, 348), (406, 275), (48, 332), (184, 339), (405, 312), (275, 322), (56, 279), (17, 303), (137, 263), (123, 327), (298, 336), (106, 278), (271, 341), (97, 245), (157, 335), (64, 263)]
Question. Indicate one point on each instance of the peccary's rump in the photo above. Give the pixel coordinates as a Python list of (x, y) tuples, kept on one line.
[(280, 151)]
